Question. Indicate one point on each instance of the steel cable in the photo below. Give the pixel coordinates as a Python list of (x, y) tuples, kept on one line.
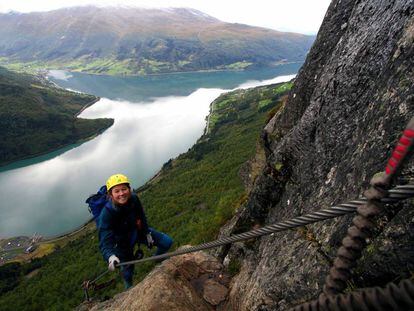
[(356, 240), (392, 297), (396, 194)]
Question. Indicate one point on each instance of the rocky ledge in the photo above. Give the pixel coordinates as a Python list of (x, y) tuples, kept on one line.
[(188, 282)]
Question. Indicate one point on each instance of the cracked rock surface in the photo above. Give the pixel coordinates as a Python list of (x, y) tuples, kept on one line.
[(350, 102)]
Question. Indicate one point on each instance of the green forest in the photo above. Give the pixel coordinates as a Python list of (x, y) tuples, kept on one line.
[(36, 117), (190, 199)]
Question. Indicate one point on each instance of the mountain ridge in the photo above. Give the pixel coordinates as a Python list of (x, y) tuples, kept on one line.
[(142, 41)]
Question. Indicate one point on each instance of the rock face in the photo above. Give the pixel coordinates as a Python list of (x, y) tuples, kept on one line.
[(188, 282), (351, 100)]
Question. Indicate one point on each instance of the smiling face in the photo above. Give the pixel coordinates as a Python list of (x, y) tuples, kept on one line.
[(120, 194)]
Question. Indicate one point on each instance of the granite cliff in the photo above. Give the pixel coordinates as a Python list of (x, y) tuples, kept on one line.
[(350, 102)]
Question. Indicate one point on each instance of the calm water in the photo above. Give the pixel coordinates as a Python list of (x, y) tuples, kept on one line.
[(156, 118)]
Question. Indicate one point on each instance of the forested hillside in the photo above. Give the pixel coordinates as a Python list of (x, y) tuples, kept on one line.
[(190, 199), (36, 117)]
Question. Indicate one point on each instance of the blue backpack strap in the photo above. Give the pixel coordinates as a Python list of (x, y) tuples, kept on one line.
[(97, 202)]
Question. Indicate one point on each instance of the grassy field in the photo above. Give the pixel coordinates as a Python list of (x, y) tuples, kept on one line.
[(111, 66)]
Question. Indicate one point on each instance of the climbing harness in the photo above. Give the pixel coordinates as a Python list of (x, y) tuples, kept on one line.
[(367, 207)]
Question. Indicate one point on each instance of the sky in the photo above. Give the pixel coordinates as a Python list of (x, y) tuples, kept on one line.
[(303, 16)]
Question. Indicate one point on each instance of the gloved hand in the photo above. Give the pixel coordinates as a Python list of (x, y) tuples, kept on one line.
[(112, 261), (150, 240)]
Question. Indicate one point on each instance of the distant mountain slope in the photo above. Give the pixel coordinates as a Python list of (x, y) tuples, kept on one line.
[(36, 118), (119, 40)]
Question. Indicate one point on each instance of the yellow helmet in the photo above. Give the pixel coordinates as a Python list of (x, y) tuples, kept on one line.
[(115, 180)]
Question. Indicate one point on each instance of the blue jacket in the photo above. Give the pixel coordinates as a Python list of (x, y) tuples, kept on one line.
[(119, 228)]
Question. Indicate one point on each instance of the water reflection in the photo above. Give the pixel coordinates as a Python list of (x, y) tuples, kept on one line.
[(48, 197), (41, 158)]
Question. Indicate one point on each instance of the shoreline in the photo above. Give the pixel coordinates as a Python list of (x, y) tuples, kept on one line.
[(43, 72), (80, 141), (87, 105), (179, 72)]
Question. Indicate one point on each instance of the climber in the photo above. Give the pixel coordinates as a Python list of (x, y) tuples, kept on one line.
[(122, 225)]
